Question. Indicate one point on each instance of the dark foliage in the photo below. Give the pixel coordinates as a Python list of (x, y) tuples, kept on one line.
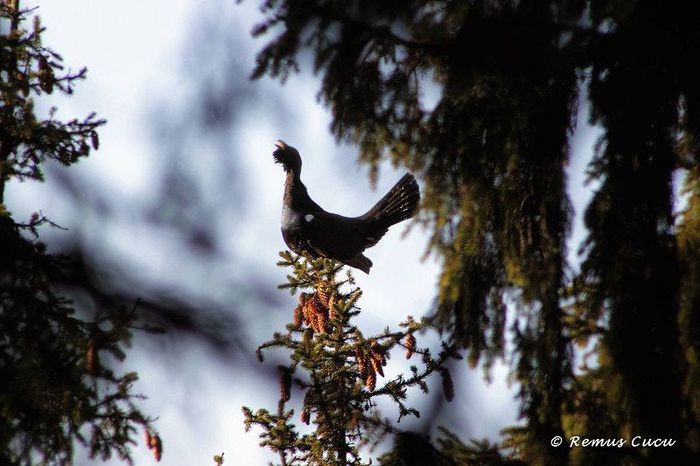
[(339, 372), (492, 151), (58, 385)]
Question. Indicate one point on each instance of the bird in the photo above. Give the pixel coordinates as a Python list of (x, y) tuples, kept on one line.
[(306, 227)]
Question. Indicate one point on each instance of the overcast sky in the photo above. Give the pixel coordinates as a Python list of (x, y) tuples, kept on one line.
[(150, 65)]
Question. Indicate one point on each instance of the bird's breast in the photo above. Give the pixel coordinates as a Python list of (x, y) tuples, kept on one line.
[(291, 220), (292, 233)]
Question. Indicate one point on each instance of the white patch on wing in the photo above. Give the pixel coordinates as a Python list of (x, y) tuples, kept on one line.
[(308, 217)]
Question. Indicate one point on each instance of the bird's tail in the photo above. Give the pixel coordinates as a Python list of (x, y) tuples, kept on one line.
[(360, 261), (399, 204)]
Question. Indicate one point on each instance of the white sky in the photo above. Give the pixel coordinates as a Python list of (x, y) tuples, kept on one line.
[(139, 57)]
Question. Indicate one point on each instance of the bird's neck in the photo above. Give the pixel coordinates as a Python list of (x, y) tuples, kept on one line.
[(296, 197), (292, 182), (294, 189)]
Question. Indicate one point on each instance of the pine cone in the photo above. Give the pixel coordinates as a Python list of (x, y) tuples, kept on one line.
[(331, 307), (95, 140), (312, 308), (285, 384), (323, 295), (45, 74), (361, 363), (376, 359), (410, 344), (321, 321), (298, 316), (303, 300), (306, 416), (378, 351), (91, 358), (309, 317), (448, 387), (154, 444), (371, 380), (156, 447)]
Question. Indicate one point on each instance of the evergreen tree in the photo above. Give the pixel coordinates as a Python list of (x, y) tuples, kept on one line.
[(492, 153), (58, 386), (338, 373)]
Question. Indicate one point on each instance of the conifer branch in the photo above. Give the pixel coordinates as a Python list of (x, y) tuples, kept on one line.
[(336, 367)]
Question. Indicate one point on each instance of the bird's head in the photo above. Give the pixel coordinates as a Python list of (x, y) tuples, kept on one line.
[(288, 156)]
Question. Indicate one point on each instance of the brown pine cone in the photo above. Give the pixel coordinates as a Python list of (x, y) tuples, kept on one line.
[(156, 447), (312, 309), (298, 316), (323, 295), (371, 380), (361, 363), (376, 359), (410, 344), (378, 352), (448, 387), (306, 416), (321, 321), (285, 384), (91, 357), (331, 307)]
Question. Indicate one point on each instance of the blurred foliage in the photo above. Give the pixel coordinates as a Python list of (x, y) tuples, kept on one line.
[(58, 386), (481, 453), (411, 449), (335, 369), (479, 98)]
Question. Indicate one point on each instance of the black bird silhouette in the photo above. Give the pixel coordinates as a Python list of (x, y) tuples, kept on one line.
[(307, 227)]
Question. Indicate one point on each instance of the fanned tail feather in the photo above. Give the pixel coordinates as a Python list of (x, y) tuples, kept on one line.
[(399, 204)]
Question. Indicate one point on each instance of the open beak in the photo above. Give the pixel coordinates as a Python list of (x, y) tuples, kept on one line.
[(277, 154)]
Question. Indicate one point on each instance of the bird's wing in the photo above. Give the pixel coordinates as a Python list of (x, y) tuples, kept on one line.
[(332, 235), (360, 261)]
